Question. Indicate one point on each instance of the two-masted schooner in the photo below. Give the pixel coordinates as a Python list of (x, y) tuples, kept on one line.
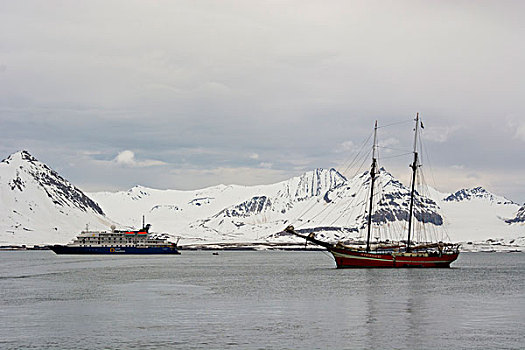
[(405, 253)]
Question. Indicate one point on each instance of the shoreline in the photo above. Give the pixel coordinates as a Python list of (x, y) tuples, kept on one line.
[(481, 247)]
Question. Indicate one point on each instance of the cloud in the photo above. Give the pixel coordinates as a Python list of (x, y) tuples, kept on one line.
[(219, 87), (520, 132), (266, 165), (127, 158), (440, 134), (346, 146), (90, 153), (389, 145), (391, 141)]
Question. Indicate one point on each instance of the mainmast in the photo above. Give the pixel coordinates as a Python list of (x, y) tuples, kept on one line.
[(373, 173), (414, 167)]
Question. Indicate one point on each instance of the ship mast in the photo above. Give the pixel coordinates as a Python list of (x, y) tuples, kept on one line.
[(373, 174), (414, 167)]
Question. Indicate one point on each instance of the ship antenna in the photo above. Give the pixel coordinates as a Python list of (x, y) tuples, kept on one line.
[(143, 221), (373, 178), (414, 167)]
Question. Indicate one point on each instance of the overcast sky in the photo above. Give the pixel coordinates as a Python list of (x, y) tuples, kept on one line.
[(188, 94)]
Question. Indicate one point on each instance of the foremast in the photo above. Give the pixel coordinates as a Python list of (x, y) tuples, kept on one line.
[(414, 166), (373, 174)]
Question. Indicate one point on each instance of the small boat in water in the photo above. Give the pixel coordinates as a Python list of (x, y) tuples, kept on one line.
[(388, 254), (118, 242)]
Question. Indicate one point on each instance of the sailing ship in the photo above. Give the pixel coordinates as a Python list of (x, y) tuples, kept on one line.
[(389, 254)]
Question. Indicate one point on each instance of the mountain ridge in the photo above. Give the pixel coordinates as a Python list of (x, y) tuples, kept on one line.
[(35, 198), (519, 218), (321, 199)]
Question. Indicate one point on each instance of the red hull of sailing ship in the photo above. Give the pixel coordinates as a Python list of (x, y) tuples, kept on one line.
[(348, 258)]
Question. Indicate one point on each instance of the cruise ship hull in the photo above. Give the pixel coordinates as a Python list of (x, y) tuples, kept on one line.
[(64, 249)]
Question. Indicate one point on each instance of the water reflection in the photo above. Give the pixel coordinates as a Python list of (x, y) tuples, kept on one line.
[(251, 300)]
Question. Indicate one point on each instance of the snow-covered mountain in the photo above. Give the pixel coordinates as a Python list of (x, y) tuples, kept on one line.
[(37, 205), (519, 218), (476, 214), (40, 206), (221, 212), (476, 193), (323, 200)]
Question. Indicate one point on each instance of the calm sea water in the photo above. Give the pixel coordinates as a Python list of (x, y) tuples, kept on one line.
[(257, 300)]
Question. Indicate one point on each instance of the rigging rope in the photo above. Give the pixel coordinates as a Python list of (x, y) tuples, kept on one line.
[(397, 156), (347, 168), (395, 123), (350, 165), (329, 209), (395, 149), (396, 228)]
